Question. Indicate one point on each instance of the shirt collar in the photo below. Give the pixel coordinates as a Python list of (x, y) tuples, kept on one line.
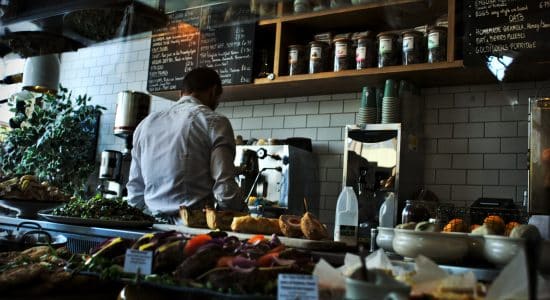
[(188, 99)]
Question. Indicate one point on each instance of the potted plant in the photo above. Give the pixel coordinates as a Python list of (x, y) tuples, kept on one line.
[(54, 139)]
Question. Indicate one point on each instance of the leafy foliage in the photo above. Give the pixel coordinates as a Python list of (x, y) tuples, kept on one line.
[(54, 142)]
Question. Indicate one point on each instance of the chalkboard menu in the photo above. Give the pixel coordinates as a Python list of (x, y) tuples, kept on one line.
[(217, 36), (516, 28)]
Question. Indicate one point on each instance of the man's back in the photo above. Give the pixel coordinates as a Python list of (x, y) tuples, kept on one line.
[(172, 157)]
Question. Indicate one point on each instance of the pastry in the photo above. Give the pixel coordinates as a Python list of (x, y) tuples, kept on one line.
[(455, 225), (221, 219), (290, 225), (312, 228), (249, 224), (495, 223)]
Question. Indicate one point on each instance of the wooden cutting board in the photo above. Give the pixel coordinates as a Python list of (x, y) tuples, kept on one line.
[(323, 245)]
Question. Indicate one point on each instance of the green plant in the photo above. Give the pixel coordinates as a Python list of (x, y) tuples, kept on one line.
[(55, 140)]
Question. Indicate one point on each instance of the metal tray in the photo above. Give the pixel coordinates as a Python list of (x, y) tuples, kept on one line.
[(28, 208), (94, 222)]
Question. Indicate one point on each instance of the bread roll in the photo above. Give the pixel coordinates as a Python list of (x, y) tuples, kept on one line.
[(249, 224)]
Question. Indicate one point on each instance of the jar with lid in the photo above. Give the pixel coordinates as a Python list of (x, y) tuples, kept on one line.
[(413, 47), (414, 211), (365, 51), (342, 54), (318, 56), (301, 6), (388, 50), (437, 44), (296, 59)]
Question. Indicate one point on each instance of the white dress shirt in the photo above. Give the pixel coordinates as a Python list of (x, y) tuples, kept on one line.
[(183, 155)]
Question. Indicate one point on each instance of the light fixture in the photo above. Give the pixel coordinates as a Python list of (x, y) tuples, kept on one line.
[(41, 74)]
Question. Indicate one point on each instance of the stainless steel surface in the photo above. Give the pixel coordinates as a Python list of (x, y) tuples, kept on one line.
[(132, 107), (297, 179), (95, 222), (539, 156), (111, 163), (393, 154), (79, 238)]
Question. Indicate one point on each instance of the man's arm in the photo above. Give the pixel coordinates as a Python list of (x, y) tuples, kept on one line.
[(226, 191), (136, 185)]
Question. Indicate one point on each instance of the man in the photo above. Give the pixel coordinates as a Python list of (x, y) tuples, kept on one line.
[(184, 155)]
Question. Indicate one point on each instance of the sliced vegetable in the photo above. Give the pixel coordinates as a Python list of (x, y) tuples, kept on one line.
[(256, 239), (195, 242), (267, 260), (225, 261)]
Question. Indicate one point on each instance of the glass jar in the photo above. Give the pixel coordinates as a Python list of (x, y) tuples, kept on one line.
[(342, 54), (413, 47), (437, 44), (365, 52), (388, 50), (414, 211), (301, 6), (318, 56), (296, 60)]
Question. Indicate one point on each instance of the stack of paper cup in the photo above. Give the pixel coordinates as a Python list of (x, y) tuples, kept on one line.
[(367, 109), (390, 104)]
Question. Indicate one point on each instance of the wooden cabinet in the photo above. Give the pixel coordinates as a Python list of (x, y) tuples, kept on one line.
[(276, 34)]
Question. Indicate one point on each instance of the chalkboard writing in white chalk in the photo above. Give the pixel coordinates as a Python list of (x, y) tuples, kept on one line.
[(216, 36), (515, 28)]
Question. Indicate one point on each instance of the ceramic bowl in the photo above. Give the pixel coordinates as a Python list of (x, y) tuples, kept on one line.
[(439, 247), (500, 250), (384, 239), (476, 245)]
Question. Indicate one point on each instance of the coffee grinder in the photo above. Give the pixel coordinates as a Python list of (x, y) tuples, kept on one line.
[(132, 107)]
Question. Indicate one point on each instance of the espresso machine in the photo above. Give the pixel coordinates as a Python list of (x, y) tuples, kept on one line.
[(132, 107), (538, 203), (280, 174)]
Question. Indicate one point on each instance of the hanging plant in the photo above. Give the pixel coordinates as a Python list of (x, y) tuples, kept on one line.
[(54, 140)]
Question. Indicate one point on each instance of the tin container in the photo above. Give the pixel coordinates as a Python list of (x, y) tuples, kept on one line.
[(296, 60), (365, 52), (437, 44), (388, 49), (318, 56), (343, 57), (413, 47)]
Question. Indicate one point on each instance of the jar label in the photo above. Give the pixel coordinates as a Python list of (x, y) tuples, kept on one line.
[(385, 45), (293, 56), (433, 40), (341, 50), (315, 53), (408, 44), (361, 53)]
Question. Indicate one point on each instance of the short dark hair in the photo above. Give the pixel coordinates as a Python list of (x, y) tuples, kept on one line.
[(201, 79)]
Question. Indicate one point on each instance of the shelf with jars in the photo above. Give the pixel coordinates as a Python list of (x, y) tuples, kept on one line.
[(342, 49)]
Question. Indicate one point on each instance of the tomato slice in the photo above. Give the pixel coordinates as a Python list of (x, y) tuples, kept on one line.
[(195, 242), (256, 238), (267, 259)]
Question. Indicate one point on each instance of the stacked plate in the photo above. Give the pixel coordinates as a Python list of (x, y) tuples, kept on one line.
[(390, 110), (366, 115)]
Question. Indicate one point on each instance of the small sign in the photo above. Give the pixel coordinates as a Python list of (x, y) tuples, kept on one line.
[(138, 260), (297, 287)]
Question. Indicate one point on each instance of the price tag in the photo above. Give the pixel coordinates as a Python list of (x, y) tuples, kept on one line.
[(297, 287), (138, 260)]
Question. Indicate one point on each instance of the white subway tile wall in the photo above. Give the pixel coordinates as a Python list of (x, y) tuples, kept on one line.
[(476, 136)]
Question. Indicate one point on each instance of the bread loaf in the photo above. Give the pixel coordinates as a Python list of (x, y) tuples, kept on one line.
[(249, 224)]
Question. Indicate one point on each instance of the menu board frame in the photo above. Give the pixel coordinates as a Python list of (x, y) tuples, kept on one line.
[(201, 37)]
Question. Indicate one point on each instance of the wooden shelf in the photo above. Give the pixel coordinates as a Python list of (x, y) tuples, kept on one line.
[(351, 81), (363, 14)]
